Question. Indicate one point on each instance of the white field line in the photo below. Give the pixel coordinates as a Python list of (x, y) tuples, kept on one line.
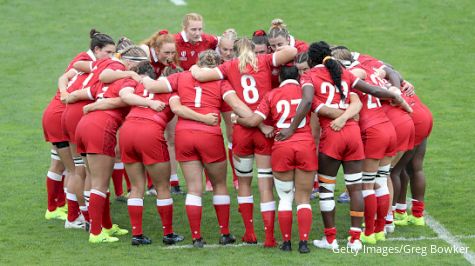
[(445, 235), (178, 2), (404, 239)]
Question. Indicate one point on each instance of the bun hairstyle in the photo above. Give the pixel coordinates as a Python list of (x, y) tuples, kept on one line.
[(144, 68), (230, 34), (278, 28), (320, 53), (99, 39), (209, 58), (167, 71), (259, 37), (123, 43)]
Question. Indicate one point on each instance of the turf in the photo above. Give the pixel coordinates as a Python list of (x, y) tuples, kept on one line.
[(429, 42)]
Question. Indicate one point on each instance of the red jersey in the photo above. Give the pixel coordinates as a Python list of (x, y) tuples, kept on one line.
[(372, 112), (162, 118), (93, 84), (188, 52), (300, 45), (326, 92), (364, 58), (250, 86), (82, 56), (280, 105), (200, 97), (112, 90)]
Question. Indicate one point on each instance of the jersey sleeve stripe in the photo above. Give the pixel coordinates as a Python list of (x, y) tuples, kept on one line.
[(227, 93), (221, 76), (260, 114), (173, 97), (274, 60), (354, 83), (169, 86), (318, 108), (89, 94)]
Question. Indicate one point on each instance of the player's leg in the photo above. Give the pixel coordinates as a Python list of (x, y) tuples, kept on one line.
[(136, 172), (265, 184), (303, 189)]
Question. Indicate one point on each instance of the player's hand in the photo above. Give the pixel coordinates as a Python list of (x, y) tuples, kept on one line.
[(211, 119), (88, 108), (399, 101), (64, 96), (338, 123), (356, 117), (135, 76), (156, 105), (284, 134), (234, 118), (268, 131), (408, 88)]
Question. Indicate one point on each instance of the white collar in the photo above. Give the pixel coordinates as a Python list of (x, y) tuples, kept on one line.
[(289, 81), (319, 66), (291, 41), (154, 55), (355, 63), (91, 55), (355, 55), (185, 39)]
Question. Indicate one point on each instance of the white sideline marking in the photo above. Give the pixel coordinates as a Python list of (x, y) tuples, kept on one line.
[(445, 235), (178, 2), (422, 238)]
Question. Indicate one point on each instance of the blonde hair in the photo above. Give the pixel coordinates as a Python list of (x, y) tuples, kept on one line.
[(191, 17), (167, 71), (158, 39), (209, 58), (341, 53), (245, 50), (278, 28), (230, 34)]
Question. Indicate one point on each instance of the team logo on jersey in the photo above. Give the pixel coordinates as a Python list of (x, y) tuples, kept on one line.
[(275, 72), (192, 53), (183, 56)]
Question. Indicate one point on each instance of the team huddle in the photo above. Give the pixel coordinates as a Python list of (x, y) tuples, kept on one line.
[(296, 111)]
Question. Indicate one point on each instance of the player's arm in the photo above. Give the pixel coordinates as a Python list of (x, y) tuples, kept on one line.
[(205, 74), (352, 110), (383, 94), (83, 66), (284, 54), (302, 111), (160, 85), (78, 95), (210, 119), (251, 121), (63, 83), (237, 105), (104, 104), (109, 75), (129, 97)]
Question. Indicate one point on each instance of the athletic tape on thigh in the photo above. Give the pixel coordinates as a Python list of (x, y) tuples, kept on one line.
[(368, 178), (351, 179), (78, 161), (243, 166), (327, 182), (264, 173), (55, 156)]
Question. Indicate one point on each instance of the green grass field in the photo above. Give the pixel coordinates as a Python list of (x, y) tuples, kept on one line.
[(432, 43)]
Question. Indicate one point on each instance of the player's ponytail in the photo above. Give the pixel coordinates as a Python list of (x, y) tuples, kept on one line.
[(320, 53), (99, 39), (278, 28), (244, 49)]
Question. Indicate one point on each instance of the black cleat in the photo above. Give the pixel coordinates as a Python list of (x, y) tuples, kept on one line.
[(141, 240), (199, 243), (177, 190), (227, 239), (286, 246), (172, 238), (86, 227), (303, 247)]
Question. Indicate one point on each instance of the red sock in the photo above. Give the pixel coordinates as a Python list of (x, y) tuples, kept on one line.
[(73, 207), (174, 181), (330, 234), (96, 209), (106, 216), (355, 234), (401, 207), (417, 208), (127, 181), (135, 208), (315, 183), (268, 217), (61, 195), (304, 218), (52, 184), (193, 211), (149, 181), (231, 162), (85, 212), (370, 208), (117, 175), (221, 206), (246, 208), (165, 210), (382, 211), (285, 223)]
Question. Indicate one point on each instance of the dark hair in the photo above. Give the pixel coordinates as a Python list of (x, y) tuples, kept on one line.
[(301, 58), (144, 68), (123, 43), (169, 70), (316, 53), (259, 37), (289, 72), (99, 39)]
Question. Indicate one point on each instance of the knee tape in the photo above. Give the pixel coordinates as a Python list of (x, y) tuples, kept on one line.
[(243, 166), (368, 178), (352, 179), (383, 189), (55, 156), (264, 173), (78, 161), (327, 201), (285, 190), (327, 182)]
